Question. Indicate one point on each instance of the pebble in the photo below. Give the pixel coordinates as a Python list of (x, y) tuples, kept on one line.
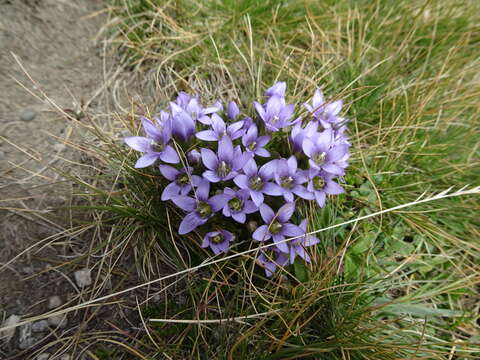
[(59, 147), (43, 356), (25, 340), (40, 326), (54, 302), (8, 334), (59, 321), (27, 115), (83, 277)]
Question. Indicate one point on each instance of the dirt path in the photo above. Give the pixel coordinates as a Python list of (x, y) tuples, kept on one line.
[(53, 40)]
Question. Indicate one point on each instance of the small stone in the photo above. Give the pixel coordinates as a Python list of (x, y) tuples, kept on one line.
[(8, 334), (59, 147), (40, 326), (83, 277), (27, 115), (59, 321), (25, 340), (54, 302), (43, 356)]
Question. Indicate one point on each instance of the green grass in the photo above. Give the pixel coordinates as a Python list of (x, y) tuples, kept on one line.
[(403, 285)]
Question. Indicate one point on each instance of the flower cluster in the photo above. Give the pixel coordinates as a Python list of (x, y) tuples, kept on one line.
[(224, 168)]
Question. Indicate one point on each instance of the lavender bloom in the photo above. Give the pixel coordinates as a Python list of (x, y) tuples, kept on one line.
[(253, 143), (275, 113), (278, 89), (325, 113), (324, 153), (290, 179), (270, 258), (321, 184), (193, 108), (298, 245), (182, 181), (232, 110), (218, 241), (299, 134), (155, 145), (183, 126), (200, 209), (225, 165), (194, 156), (234, 131), (277, 226), (238, 205), (257, 181)]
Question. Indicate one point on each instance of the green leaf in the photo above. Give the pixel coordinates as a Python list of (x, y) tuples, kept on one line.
[(301, 271)]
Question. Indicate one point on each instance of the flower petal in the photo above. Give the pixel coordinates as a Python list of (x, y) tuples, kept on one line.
[(292, 230), (139, 143), (207, 135), (190, 222), (211, 176), (261, 234), (239, 217), (257, 197), (185, 203), (260, 110), (320, 198), (225, 149), (282, 246), (151, 130), (169, 172), (250, 168), (332, 188), (146, 160), (218, 202), (241, 181), (267, 213), (170, 191), (209, 159), (272, 189), (285, 212), (232, 110), (169, 155), (302, 192)]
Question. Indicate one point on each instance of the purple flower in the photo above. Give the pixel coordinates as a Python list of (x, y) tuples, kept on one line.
[(324, 153), (321, 184), (232, 110), (323, 112), (257, 181), (234, 131), (298, 245), (253, 143), (199, 209), (299, 134), (277, 226), (278, 89), (290, 179), (183, 126), (270, 258), (194, 157), (192, 107), (225, 165), (218, 241), (275, 113), (238, 204), (155, 145), (182, 181)]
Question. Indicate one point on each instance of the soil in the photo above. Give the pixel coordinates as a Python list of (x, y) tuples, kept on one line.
[(46, 47)]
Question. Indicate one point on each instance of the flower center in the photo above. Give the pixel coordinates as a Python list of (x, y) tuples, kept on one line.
[(275, 227), (274, 119), (217, 239), (235, 204), (157, 146), (256, 183), (319, 158), (287, 182), (223, 169), (183, 180), (252, 146), (318, 183), (204, 209)]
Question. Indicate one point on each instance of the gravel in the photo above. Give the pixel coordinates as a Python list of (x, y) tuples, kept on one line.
[(8, 334), (54, 302), (27, 115), (40, 326), (83, 277)]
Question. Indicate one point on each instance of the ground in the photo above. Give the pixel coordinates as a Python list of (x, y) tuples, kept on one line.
[(49, 47)]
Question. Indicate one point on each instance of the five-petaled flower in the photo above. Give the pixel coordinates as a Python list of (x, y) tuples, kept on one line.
[(218, 241)]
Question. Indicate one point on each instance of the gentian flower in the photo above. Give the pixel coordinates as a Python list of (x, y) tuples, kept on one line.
[(321, 184), (182, 181), (277, 226), (225, 165), (155, 145), (275, 113), (193, 108), (238, 204), (234, 131), (199, 209), (232, 110), (194, 157), (257, 181), (324, 152), (218, 241), (270, 258), (289, 178), (253, 143), (183, 126), (298, 245), (298, 134), (278, 89), (325, 113)]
